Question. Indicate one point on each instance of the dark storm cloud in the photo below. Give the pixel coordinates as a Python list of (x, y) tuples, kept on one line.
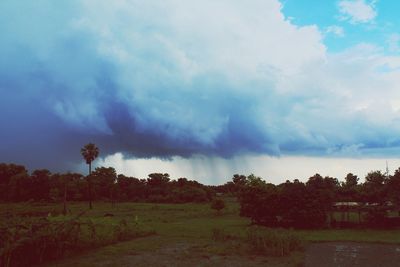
[(134, 79)]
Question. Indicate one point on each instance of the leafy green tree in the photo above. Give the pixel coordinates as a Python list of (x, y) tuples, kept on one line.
[(374, 187), (11, 188), (239, 181), (90, 152), (259, 201), (350, 189), (306, 205), (131, 188), (103, 182), (323, 189), (393, 189), (351, 180), (292, 204), (158, 186)]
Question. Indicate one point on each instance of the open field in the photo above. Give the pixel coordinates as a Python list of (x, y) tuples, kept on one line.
[(183, 234)]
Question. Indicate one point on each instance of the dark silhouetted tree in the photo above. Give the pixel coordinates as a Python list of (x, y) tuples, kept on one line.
[(90, 152), (239, 182), (292, 204), (351, 180), (13, 182), (131, 188), (393, 189), (103, 182), (158, 186), (374, 187), (259, 201), (350, 189)]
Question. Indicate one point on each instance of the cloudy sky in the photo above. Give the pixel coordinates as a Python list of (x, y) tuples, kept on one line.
[(202, 89)]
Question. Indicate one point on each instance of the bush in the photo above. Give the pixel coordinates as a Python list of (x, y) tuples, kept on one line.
[(36, 240)]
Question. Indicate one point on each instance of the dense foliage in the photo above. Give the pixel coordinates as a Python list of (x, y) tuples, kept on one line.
[(290, 204), (16, 184), (309, 205), (28, 241)]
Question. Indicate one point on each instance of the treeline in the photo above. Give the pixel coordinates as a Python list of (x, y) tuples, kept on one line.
[(290, 204), (17, 184), (308, 205)]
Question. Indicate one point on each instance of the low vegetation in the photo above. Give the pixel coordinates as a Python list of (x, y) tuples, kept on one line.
[(274, 242), (30, 240), (43, 217), (204, 233)]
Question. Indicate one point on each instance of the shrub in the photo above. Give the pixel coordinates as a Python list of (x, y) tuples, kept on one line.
[(36, 240)]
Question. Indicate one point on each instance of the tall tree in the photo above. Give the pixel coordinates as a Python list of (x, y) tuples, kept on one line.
[(393, 189), (350, 189), (374, 187), (90, 152)]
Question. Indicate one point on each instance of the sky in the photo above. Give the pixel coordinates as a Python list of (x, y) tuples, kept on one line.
[(202, 89)]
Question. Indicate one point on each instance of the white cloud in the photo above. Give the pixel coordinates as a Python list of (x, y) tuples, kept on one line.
[(357, 11), (394, 42), (227, 48), (336, 30), (230, 37)]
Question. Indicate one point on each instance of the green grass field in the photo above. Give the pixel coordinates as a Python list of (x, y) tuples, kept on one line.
[(185, 231)]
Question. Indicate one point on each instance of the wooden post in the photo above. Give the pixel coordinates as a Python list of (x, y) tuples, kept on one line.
[(65, 196)]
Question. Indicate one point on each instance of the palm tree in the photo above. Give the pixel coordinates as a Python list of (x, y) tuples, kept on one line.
[(90, 152)]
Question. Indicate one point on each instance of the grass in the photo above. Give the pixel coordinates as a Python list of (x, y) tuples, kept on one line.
[(183, 230)]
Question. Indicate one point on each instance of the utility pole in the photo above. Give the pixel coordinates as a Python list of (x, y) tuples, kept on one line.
[(387, 170)]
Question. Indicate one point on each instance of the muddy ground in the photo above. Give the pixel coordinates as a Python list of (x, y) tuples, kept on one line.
[(335, 254)]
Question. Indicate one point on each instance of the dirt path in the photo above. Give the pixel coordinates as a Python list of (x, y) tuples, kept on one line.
[(343, 254)]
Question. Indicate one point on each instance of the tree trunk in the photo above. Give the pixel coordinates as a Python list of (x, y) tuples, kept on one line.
[(90, 185)]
